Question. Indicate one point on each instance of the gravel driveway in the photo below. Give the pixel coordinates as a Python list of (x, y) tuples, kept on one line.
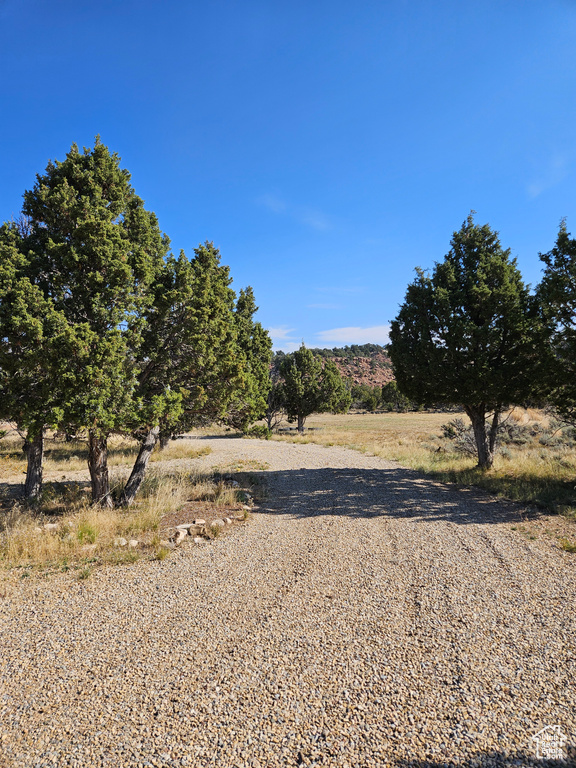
[(363, 617)]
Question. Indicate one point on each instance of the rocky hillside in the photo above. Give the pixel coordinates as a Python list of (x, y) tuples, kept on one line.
[(363, 364)]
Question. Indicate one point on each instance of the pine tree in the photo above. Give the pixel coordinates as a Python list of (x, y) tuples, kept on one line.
[(467, 335), (311, 386), (255, 348), (92, 251), (557, 297)]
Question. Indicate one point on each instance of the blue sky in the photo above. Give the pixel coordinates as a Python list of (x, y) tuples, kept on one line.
[(327, 148)]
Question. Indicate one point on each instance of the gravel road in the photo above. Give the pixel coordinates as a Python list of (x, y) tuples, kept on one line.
[(364, 616)]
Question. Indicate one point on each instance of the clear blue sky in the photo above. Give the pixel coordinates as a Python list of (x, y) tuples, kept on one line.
[(326, 147)]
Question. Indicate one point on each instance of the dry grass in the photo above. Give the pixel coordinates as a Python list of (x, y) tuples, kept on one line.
[(541, 471), (180, 449), (87, 534), (61, 457)]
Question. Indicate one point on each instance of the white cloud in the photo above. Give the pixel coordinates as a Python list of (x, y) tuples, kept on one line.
[(280, 333), (273, 203), (556, 171), (375, 334), (309, 216), (316, 220)]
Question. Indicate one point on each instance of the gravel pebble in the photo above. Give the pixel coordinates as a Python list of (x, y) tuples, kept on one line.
[(364, 616)]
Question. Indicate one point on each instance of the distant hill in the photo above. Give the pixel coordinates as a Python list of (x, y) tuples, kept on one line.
[(361, 363)]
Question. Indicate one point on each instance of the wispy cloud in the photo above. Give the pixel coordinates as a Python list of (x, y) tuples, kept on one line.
[(375, 334), (272, 202), (282, 332), (316, 220), (556, 170), (311, 217), (283, 338)]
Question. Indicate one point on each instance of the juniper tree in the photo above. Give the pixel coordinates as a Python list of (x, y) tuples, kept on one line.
[(467, 334), (255, 348), (35, 340), (312, 386), (191, 368), (557, 297), (92, 251)]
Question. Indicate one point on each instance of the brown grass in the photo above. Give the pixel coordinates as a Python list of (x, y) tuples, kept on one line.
[(88, 534), (61, 457)]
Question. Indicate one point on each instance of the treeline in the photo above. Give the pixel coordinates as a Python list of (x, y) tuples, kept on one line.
[(352, 351), (470, 333), (386, 397), (104, 331)]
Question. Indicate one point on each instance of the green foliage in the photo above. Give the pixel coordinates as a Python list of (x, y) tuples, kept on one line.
[(467, 334), (365, 396), (255, 350), (557, 297), (260, 431), (393, 400), (190, 367), (352, 351), (91, 251), (311, 386)]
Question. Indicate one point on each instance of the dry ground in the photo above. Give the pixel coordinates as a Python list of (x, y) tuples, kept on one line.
[(364, 617)]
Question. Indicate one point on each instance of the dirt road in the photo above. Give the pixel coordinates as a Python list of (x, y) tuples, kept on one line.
[(363, 617)]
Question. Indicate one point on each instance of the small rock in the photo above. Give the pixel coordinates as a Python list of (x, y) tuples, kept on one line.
[(199, 521), (228, 520), (120, 541), (219, 523), (166, 544), (51, 526), (181, 534), (185, 526), (133, 543), (199, 540)]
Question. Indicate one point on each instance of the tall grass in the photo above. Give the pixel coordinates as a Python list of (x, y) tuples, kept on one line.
[(72, 456), (84, 532)]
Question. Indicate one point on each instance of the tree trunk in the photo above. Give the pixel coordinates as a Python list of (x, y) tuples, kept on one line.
[(164, 440), (139, 469), (484, 446), (34, 449), (301, 420), (98, 466)]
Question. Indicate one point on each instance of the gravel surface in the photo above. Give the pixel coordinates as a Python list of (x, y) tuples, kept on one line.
[(363, 617)]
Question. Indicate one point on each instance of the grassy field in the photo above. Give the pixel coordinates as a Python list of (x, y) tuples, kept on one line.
[(535, 464)]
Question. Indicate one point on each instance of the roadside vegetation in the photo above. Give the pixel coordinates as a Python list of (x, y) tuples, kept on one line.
[(62, 530)]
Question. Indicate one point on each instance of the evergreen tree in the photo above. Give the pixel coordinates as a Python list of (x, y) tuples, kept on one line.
[(311, 387), (466, 335), (191, 369), (35, 341), (92, 251), (557, 298), (255, 347)]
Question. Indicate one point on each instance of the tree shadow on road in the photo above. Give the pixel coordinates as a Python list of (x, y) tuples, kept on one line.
[(395, 493)]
